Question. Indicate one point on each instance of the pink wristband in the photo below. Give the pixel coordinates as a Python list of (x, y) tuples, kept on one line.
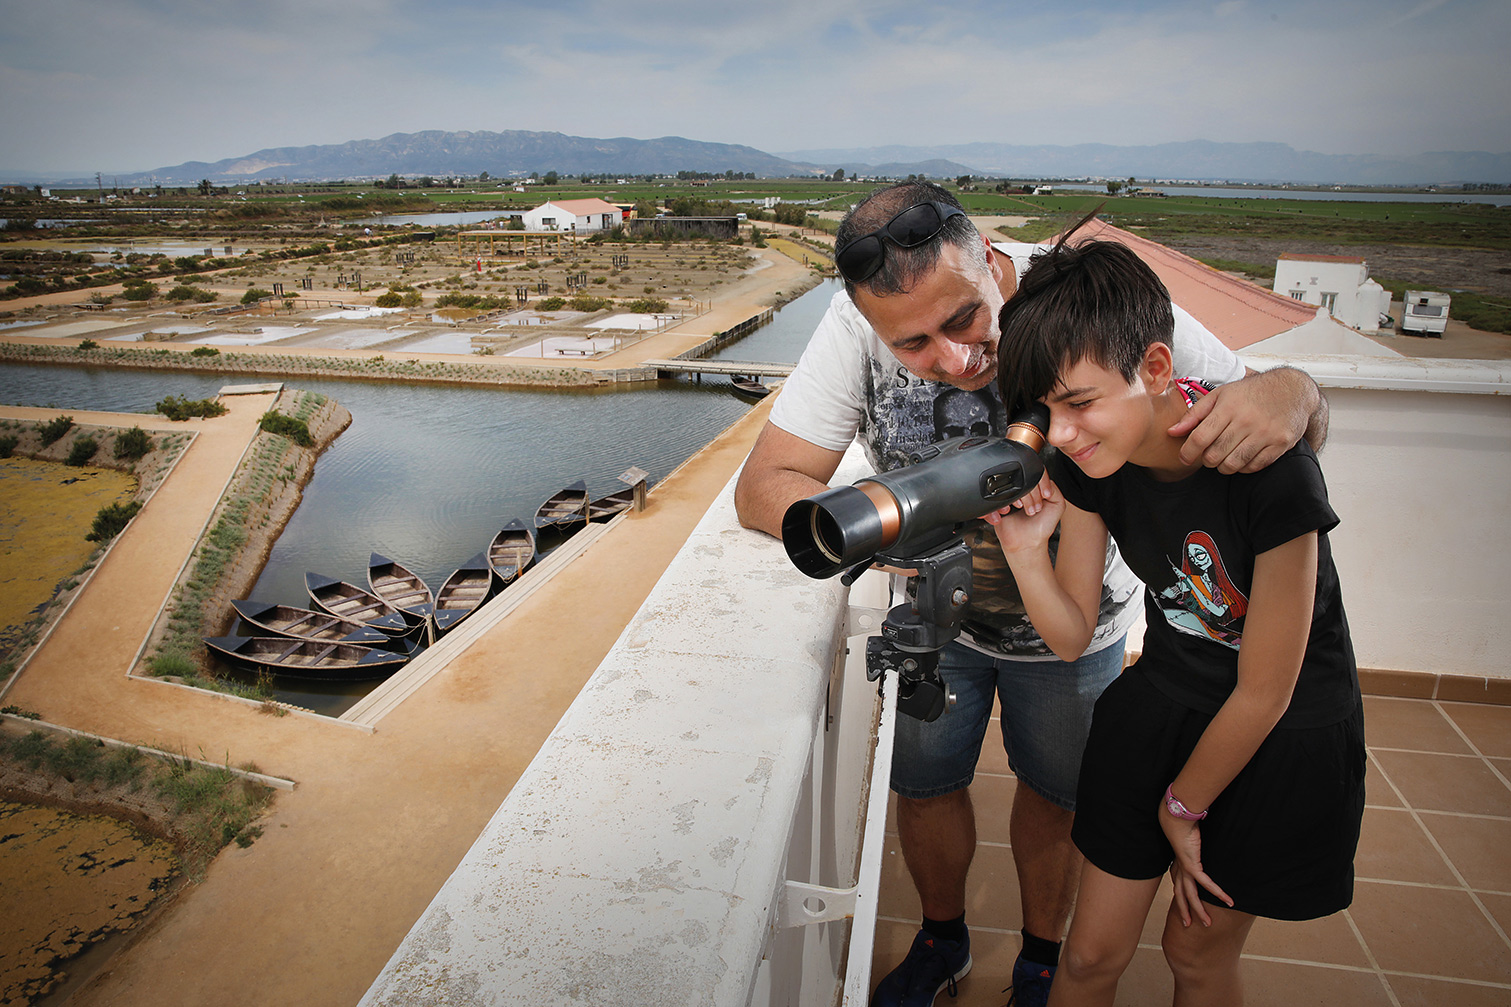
[(1179, 810)]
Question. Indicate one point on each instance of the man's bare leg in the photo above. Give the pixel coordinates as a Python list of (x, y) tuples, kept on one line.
[(938, 836), (1047, 862)]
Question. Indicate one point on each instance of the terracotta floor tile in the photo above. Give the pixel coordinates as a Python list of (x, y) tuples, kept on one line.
[(1410, 724), (1377, 792), (1479, 847), (1432, 993), (993, 756), (1429, 931), (1328, 941), (1287, 984), (1393, 847), (1500, 908), (1488, 726), (1446, 783), (992, 797)]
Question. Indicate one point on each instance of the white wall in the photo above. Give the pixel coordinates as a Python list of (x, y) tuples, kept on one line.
[(1344, 279), (1418, 468)]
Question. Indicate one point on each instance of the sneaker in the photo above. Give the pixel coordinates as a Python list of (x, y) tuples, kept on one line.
[(932, 964), (1030, 986)]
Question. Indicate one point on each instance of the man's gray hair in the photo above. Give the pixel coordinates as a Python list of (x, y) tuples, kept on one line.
[(903, 268)]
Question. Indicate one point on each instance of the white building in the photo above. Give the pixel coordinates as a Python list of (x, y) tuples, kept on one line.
[(584, 216), (1339, 283)]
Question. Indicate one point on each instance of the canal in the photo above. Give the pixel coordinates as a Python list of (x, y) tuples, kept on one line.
[(428, 474)]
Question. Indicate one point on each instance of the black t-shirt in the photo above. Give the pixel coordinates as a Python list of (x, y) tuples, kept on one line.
[(1193, 543)]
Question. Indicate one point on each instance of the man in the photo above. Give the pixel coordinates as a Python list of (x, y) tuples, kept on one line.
[(906, 356)]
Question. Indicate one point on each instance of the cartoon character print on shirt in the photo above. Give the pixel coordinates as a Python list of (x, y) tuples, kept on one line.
[(1203, 601)]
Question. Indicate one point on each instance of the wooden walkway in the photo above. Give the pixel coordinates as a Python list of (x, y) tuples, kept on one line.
[(756, 367)]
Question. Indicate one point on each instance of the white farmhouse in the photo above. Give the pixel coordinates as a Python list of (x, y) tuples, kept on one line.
[(582, 216), (1339, 283)]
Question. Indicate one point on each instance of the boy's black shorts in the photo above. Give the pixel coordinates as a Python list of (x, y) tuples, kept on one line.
[(1279, 840)]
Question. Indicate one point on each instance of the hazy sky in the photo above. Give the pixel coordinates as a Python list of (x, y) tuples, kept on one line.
[(128, 85)]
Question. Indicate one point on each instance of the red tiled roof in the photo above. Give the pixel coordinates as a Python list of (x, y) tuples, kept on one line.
[(582, 207), (1238, 313)]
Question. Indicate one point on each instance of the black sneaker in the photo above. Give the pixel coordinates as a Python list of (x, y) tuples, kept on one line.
[(1030, 986), (933, 964)]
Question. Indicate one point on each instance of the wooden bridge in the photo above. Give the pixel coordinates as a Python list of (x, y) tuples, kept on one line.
[(666, 368)]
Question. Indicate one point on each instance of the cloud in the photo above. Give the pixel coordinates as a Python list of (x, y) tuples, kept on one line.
[(136, 84)]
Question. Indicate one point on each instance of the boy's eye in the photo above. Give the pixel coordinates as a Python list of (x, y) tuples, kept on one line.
[(1079, 404)]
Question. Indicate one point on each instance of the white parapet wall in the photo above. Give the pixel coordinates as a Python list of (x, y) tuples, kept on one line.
[(1418, 468), (643, 856)]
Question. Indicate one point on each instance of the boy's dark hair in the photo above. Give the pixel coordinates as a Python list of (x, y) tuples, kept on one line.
[(1096, 299), (904, 267)]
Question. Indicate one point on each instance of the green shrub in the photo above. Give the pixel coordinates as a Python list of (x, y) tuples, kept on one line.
[(590, 302), (132, 444), (54, 429), (389, 300), (204, 351), (7, 445), (141, 291), (184, 292), (88, 344), (83, 449), (551, 304), (176, 408), (254, 294), (111, 519), (648, 306), (295, 430), (410, 299)]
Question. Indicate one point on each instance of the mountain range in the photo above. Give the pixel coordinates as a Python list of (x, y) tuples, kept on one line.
[(520, 152)]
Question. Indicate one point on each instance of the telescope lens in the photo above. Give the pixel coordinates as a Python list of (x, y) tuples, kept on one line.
[(828, 537)]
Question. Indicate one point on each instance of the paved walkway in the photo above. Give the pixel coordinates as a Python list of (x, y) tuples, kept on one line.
[(312, 911)]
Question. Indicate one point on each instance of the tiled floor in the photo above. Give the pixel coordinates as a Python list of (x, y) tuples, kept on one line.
[(1432, 901)]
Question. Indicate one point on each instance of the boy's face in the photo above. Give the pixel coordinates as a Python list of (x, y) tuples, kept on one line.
[(1097, 418)]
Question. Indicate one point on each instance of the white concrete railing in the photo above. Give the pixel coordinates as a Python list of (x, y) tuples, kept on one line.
[(1418, 468), (693, 819)]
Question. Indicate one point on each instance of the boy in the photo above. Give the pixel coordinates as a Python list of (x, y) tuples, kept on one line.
[(1232, 752)]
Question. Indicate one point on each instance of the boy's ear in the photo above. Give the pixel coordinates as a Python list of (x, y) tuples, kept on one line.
[(1158, 368)]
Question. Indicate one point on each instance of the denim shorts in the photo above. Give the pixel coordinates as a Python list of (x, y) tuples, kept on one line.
[(1046, 715)]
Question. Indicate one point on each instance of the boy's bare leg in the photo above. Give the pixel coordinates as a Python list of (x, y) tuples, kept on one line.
[(1205, 959), (1104, 934)]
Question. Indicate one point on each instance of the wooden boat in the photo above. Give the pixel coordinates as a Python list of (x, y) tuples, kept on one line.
[(318, 659), (750, 387), (607, 506), (350, 602), (399, 586), (511, 551), (463, 592), (287, 620), (564, 512)]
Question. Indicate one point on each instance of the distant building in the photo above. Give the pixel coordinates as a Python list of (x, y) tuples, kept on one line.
[(1339, 283), (582, 216)]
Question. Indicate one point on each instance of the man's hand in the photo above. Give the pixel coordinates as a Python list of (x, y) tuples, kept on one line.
[(1245, 425)]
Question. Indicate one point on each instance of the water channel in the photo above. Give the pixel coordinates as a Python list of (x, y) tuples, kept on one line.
[(427, 475)]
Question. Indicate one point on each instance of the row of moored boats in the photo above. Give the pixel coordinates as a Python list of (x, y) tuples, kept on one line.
[(352, 633)]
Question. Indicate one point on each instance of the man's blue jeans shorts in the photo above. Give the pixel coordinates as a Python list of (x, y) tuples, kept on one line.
[(1046, 714)]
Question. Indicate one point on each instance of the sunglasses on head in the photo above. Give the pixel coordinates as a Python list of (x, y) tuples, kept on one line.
[(858, 261)]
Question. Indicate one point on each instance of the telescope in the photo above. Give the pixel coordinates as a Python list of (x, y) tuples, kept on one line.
[(915, 517)]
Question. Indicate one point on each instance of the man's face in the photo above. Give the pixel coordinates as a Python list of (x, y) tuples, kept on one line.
[(945, 328)]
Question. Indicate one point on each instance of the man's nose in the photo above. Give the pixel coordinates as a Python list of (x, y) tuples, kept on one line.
[(952, 357)]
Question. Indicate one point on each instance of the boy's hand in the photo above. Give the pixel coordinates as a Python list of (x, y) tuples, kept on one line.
[(1245, 425), (1029, 531), (1185, 872)]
